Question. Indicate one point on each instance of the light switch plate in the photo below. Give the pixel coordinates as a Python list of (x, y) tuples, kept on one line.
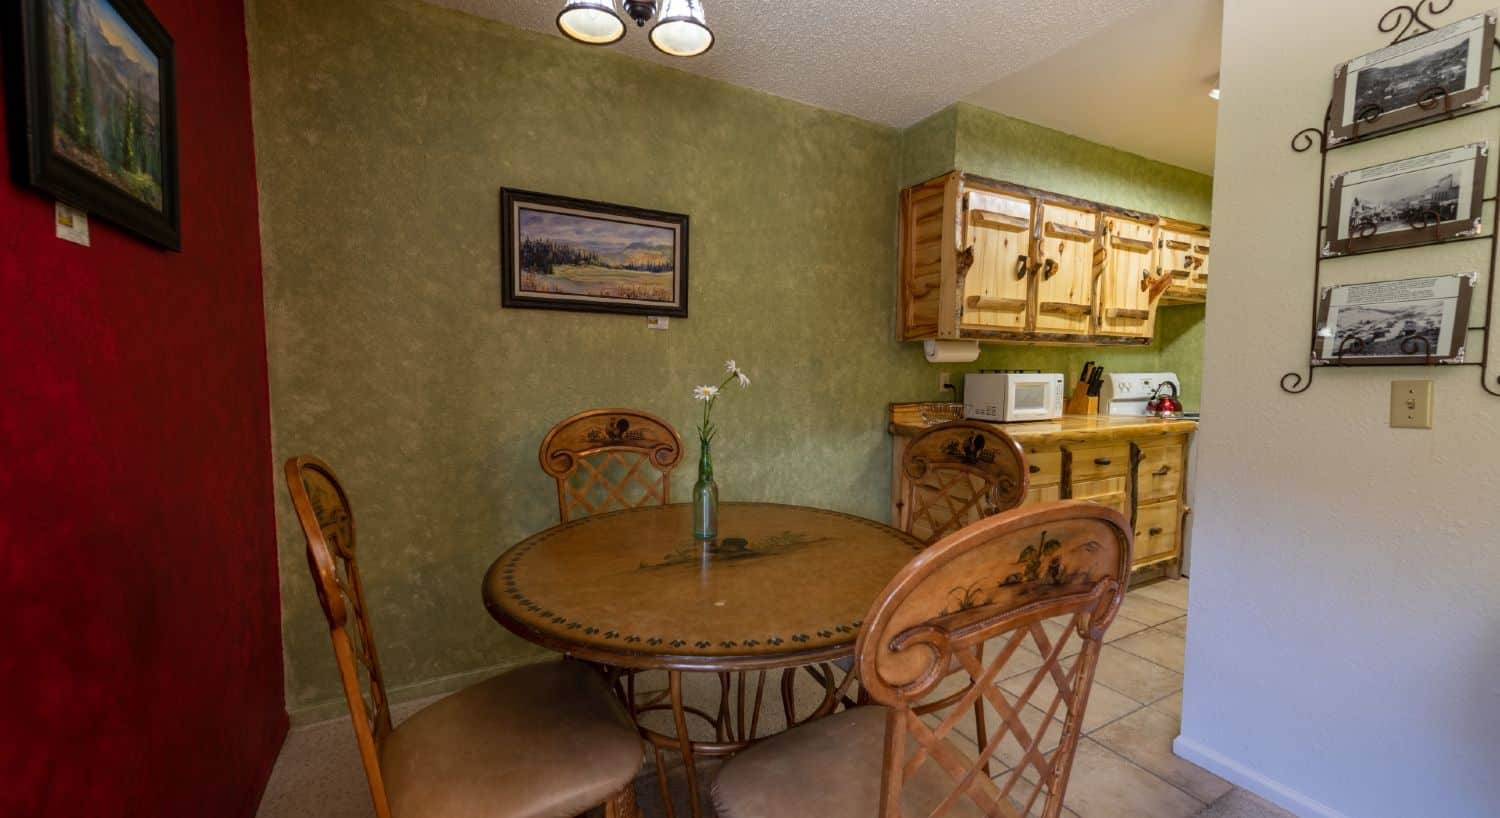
[(1411, 404)]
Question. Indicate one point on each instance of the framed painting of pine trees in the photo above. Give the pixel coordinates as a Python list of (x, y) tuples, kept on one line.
[(93, 110)]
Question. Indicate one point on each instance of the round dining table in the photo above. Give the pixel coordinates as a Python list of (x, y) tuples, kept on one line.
[(781, 588)]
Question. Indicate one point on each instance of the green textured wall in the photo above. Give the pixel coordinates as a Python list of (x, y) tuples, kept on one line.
[(979, 141), (928, 148), (384, 131)]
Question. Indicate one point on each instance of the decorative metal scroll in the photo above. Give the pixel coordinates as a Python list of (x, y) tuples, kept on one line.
[(1406, 21)]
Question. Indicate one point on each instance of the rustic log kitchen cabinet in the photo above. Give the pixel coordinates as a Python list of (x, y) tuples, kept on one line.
[(991, 261), (1136, 465)]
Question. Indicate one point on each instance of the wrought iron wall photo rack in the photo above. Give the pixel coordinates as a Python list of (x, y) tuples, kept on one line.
[(1411, 23)]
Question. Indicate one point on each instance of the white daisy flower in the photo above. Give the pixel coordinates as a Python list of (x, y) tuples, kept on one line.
[(705, 392), (731, 367), (742, 378)]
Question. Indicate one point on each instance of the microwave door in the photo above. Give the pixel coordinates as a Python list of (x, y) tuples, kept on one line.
[(1030, 400)]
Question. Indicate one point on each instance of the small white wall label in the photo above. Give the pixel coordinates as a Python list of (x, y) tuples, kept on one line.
[(72, 224), (657, 322)]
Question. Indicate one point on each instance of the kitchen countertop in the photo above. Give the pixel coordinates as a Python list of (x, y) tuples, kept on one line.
[(907, 420)]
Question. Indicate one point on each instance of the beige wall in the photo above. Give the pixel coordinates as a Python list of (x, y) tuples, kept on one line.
[(1345, 610)]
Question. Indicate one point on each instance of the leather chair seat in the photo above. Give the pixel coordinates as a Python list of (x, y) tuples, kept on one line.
[(542, 741), (829, 768)]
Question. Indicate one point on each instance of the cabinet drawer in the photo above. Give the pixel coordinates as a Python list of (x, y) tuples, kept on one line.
[(1156, 531), (1110, 491), (1160, 473), (1042, 494), (1045, 466), (1093, 462)]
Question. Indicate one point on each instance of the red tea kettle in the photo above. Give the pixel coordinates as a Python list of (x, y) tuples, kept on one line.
[(1164, 406)]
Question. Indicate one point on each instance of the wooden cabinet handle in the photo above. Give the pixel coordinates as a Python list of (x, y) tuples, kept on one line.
[(1161, 471), (1155, 531), (1049, 268), (1034, 469), (1021, 267), (1101, 461)]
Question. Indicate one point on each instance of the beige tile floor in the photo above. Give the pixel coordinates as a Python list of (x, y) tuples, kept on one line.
[(1124, 768)]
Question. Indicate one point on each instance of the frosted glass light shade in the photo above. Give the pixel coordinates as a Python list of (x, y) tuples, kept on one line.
[(591, 21), (681, 30)]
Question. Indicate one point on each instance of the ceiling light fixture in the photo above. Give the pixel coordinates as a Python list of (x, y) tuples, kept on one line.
[(680, 29)]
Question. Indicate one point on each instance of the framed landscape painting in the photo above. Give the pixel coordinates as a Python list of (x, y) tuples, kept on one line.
[(560, 253), (92, 110)]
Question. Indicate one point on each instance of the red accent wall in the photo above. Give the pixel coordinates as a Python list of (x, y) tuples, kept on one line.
[(140, 647)]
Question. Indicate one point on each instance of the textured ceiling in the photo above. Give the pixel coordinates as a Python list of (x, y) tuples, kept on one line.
[(890, 61), (1141, 85)]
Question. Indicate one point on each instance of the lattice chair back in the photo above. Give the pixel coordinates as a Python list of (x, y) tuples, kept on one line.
[(610, 459), (958, 473), (922, 653), (328, 524)]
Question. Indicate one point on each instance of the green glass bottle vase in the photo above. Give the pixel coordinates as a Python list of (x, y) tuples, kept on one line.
[(705, 496)]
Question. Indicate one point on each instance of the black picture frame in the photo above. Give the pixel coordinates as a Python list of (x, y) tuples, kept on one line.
[(517, 285), (36, 162)]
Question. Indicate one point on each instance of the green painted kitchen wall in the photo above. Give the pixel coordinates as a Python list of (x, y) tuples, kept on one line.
[(979, 141), (384, 131)]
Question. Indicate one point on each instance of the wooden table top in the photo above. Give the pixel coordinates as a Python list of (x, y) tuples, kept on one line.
[(906, 420), (784, 586)]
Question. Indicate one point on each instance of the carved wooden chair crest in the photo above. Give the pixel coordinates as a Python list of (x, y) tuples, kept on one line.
[(327, 521), (998, 581), (610, 459), (957, 473)]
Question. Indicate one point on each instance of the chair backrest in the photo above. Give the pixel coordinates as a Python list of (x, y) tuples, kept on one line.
[(609, 459), (957, 473), (328, 524), (922, 652)]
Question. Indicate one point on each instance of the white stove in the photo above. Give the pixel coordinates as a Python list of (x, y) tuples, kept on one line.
[(1127, 393)]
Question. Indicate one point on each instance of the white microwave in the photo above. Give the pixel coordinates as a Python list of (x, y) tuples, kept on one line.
[(1007, 397)]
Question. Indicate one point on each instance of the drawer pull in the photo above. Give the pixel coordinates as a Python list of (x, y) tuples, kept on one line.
[(1022, 268), (1101, 461), (1155, 530), (1034, 469), (1161, 471)]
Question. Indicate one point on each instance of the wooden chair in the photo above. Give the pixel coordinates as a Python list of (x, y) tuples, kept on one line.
[(539, 741), (609, 459), (996, 581), (960, 472)]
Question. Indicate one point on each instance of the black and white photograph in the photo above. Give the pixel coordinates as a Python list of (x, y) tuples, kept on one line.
[(1419, 200), (1418, 320), (1424, 76)]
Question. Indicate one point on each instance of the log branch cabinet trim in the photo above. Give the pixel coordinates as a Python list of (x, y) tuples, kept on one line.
[(997, 262), (1136, 465)]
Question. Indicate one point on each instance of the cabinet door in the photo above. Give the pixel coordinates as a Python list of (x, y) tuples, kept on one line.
[(998, 228), (1184, 256), (1156, 527), (1112, 492), (1065, 269), (1042, 494), (1126, 304)]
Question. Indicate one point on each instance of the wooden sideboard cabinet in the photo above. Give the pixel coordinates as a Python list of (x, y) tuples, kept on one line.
[(991, 261), (1137, 466)]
